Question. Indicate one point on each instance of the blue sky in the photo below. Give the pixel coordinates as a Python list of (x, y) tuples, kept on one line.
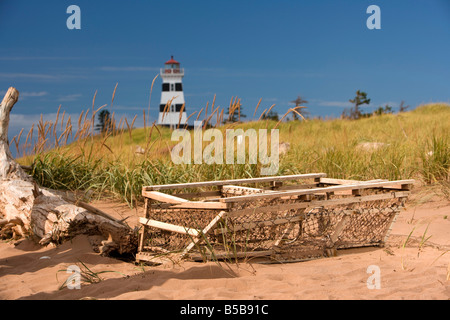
[(274, 50)]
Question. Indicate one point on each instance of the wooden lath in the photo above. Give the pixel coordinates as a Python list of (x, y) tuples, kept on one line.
[(346, 181), (318, 203), (233, 182), (192, 205), (196, 240), (232, 255), (162, 197), (227, 188), (358, 186), (174, 202), (169, 227)]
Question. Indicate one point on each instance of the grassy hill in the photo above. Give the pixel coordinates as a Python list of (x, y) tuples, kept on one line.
[(413, 144)]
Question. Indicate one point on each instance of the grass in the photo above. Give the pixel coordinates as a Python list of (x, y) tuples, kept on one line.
[(72, 156), (65, 155), (403, 263), (87, 276), (423, 239)]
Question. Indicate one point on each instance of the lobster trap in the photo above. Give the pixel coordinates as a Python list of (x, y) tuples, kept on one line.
[(282, 218)]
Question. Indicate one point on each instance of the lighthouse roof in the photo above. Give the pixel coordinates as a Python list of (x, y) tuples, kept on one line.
[(172, 61)]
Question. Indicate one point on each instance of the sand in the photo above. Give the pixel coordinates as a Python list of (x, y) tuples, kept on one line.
[(28, 271)]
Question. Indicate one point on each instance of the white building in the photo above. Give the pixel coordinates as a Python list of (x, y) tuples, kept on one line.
[(172, 96)]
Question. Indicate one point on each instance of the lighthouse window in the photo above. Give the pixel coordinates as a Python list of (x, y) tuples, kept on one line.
[(165, 87), (178, 107), (161, 107), (178, 87), (172, 87)]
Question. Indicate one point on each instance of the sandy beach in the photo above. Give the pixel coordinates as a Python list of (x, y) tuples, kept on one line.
[(419, 270)]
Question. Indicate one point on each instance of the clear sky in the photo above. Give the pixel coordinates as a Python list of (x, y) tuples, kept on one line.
[(274, 50)]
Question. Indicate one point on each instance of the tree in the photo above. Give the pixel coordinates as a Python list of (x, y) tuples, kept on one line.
[(104, 121), (234, 112), (299, 102), (272, 115), (360, 99), (386, 110), (402, 107)]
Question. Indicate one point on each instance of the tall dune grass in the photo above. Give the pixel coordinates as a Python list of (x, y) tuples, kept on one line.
[(413, 144)]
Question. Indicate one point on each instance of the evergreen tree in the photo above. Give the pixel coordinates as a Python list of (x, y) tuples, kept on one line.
[(104, 121), (386, 110), (272, 115), (299, 102), (236, 114), (355, 112)]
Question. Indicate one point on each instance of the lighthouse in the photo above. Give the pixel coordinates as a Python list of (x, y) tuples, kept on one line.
[(172, 97)]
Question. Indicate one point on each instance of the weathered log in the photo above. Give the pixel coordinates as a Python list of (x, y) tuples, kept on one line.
[(9, 169), (47, 215)]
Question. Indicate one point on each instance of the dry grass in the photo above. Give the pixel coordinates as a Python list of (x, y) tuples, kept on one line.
[(64, 155)]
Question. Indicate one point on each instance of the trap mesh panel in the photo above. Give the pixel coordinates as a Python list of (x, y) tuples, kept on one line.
[(288, 226), (307, 232), (189, 218), (352, 225)]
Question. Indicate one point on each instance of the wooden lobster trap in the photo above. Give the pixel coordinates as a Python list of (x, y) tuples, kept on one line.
[(294, 217)]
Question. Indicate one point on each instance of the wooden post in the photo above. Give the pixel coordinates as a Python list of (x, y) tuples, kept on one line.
[(275, 185), (305, 197), (406, 187), (143, 229)]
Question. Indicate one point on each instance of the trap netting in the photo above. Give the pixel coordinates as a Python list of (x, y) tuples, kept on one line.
[(190, 220), (298, 229), (283, 227)]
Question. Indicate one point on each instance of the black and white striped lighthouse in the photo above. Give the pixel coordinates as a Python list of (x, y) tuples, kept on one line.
[(172, 96)]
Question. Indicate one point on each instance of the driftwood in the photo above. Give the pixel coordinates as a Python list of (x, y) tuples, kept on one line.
[(26, 210)]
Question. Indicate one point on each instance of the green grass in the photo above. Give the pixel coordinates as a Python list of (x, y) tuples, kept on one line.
[(87, 276), (416, 145)]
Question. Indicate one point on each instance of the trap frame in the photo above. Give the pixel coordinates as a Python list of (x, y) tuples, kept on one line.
[(294, 217)]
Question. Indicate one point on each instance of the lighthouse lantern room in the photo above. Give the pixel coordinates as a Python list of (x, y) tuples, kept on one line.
[(172, 97)]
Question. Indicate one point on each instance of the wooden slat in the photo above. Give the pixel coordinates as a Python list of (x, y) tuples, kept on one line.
[(340, 226), (390, 225), (191, 205), (315, 190), (345, 181), (204, 194), (207, 229), (288, 229), (200, 205), (232, 255), (296, 187), (318, 203), (156, 249), (245, 189), (169, 227), (235, 181), (332, 181), (143, 230), (162, 197), (143, 256)]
